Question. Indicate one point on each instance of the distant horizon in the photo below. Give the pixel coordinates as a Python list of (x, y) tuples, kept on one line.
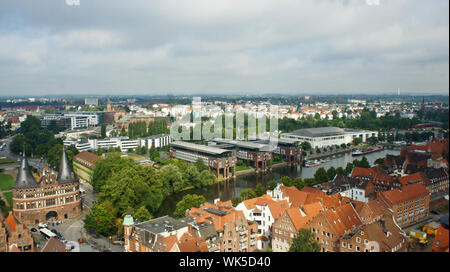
[(93, 95)]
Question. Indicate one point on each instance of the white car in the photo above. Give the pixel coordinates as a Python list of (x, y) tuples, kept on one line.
[(42, 225)]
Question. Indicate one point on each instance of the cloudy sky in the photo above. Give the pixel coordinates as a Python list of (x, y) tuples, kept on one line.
[(224, 46)]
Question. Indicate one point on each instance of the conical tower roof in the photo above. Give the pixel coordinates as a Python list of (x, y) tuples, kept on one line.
[(66, 173), (24, 177)]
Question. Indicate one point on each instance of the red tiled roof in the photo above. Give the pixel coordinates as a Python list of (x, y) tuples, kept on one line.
[(11, 221), (411, 191), (359, 171), (416, 177)]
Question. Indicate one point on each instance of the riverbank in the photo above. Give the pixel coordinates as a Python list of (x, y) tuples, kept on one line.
[(252, 170)]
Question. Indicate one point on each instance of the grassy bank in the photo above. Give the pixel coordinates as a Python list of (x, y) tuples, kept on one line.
[(6, 182)]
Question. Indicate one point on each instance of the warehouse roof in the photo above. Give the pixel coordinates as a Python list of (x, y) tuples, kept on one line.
[(318, 132), (200, 148)]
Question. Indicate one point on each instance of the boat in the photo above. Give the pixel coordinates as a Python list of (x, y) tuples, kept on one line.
[(358, 152), (325, 160), (312, 163)]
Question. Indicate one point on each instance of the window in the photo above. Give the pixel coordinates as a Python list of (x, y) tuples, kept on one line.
[(344, 244), (350, 246), (358, 249), (358, 240)]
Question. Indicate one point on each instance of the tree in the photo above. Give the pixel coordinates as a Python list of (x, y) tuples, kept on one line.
[(247, 194), (286, 181), (331, 173), (306, 146), (172, 178), (321, 175), (379, 161), (340, 171), (142, 214), (348, 168), (54, 154), (298, 183), (103, 131), (260, 190), (207, 178), (101, 219), (188, 201), (201, 165), (356, 141), (236, 200), (304, 241), (272, 185)]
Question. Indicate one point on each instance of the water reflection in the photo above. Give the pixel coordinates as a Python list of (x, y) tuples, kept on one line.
[(229, 189)]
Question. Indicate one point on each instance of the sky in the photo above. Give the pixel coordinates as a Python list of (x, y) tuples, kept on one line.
[(146, 47)]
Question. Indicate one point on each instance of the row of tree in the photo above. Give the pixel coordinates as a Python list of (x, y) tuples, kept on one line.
[(367, 120), (39, 142), (140, 129), (125, 186)]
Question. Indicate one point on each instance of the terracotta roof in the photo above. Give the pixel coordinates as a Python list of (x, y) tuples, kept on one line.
[(359, 171), (312, 190), (193, 244), (300, 216), (11, 221), (277, 207), (387, 234), (87, 159), (297, 198), (54, 245), (204, 214), (170, 242), (413, 178), (343, 218), (405, 193), (250, 203)]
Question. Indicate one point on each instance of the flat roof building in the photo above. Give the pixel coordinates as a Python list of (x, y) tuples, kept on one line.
[(328, 136), (217, 158)]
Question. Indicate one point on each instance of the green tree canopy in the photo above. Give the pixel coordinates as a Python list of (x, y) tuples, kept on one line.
[(304, 241), (286, 181), (188, 201)]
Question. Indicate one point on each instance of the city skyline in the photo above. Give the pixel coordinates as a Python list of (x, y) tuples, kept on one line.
[(217, 47)]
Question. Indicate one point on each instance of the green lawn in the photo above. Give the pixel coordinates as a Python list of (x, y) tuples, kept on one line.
[(8, 196), (242, 167), (6, 182), (6, 161)]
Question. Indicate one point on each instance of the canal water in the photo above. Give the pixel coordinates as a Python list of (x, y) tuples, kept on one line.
[(228, 189)]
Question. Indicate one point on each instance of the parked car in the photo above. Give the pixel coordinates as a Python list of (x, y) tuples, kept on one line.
[(42, 225), (435, 212), (33, 230), (80, 240)]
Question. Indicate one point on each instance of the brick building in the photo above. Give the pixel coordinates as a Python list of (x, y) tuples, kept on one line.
[(289, 224), (14, 234), (222, 160), (235, 232), (382, 235), (410, 204), (54, 196), (330, 225)]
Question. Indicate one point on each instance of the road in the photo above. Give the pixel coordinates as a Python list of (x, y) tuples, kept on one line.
[(37, 163)]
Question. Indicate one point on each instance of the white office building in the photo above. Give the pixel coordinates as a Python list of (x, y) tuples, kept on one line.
[(328, 136), (124, 143), (82, 120)]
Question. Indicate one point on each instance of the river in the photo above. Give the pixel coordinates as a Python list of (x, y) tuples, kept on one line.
[(228, 189)]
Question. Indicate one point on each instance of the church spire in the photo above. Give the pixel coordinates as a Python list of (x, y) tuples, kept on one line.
[(24, 177), (66, 173)]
